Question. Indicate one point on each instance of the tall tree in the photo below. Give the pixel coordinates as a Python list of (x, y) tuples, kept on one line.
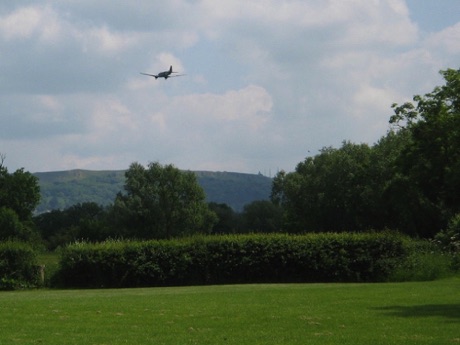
[(263, 216), (162, 202), (398, 203), (19, 191), (19, 195), (328, 192), (86, 221), (228, 221), (432, 159), (409, 180)]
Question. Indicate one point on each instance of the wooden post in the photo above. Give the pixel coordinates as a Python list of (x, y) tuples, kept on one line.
[(41, 275)]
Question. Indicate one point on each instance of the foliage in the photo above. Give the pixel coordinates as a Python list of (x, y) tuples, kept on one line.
[(18, 266), (333, 191), (228, 221), (87, 221), (19, 195), (449, 239), (231, 259), (92, 222), (424, 261), (431, 160), (234, 189), (49, 262), (12, 228), (408, 181), (10, 225), (162, 202), (19, 191), (262, 216), (63, 189)]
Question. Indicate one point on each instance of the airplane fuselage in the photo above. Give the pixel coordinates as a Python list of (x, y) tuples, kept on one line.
[(165, 74)]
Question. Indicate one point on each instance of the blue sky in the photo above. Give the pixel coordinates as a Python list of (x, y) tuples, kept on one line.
[(267, 82)]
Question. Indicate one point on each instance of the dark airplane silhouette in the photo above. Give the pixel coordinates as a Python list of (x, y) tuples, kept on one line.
[(165, 74)]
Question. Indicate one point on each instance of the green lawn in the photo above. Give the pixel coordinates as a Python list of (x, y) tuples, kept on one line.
[(392, 313)]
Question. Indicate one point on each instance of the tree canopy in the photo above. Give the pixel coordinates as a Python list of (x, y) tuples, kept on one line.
[(409, 180), (19, 195), (162, 202), (432, 157)]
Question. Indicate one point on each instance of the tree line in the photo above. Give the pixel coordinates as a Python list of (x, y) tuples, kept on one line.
[(158, 202), (408, 181)]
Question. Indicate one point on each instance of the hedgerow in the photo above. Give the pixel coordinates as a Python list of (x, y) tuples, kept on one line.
[(18, 266), (424, 261), (228, 259)]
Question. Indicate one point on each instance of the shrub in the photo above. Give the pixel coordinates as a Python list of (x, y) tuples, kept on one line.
[(18, 266), (424, 261), (232, 259), (449, 239)]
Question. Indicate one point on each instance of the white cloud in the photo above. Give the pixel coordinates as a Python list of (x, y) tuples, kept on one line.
[(27, 22), (20, 24), (266, 81), (252, 104), (102, 39), (447, 41)]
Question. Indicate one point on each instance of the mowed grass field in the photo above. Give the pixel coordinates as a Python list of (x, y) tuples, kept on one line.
[(388, 313)]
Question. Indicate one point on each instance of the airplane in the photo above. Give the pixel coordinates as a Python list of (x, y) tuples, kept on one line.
[(165, 74)]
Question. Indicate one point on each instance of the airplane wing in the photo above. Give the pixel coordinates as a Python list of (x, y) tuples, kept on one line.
[(152, 75)]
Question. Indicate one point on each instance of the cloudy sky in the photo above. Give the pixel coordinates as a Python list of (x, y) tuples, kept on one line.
[(268, 82)]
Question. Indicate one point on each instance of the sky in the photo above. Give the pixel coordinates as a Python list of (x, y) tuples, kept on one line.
[(267, 82)]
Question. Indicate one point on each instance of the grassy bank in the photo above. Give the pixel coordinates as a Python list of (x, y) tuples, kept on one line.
[(391, 313)]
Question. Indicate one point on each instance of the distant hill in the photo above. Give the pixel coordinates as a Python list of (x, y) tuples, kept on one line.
[(62, 189)]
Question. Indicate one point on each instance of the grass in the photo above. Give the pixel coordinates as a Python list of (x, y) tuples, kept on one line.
[(391, 313)]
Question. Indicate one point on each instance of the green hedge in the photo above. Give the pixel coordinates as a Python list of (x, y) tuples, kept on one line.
[(231, 259), (18, 266), (425, 261)]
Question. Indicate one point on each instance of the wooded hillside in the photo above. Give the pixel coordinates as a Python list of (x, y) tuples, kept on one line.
[(62, 189)]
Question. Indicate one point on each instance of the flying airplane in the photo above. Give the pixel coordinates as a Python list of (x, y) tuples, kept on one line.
[(165, 74)]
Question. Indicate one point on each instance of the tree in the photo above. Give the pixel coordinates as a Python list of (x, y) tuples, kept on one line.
[(409, 180), (19, 191), (88, 221), (162, 202), (328, 192), (263, 216), (10, 226), (397, 202), (449, 239), (228, 221), (19, 195), (431, 160)]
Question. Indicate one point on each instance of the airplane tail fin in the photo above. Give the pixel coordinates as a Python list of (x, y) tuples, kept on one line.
[(170, 69)]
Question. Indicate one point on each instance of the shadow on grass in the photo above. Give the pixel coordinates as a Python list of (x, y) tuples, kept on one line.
[(449, 311)]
